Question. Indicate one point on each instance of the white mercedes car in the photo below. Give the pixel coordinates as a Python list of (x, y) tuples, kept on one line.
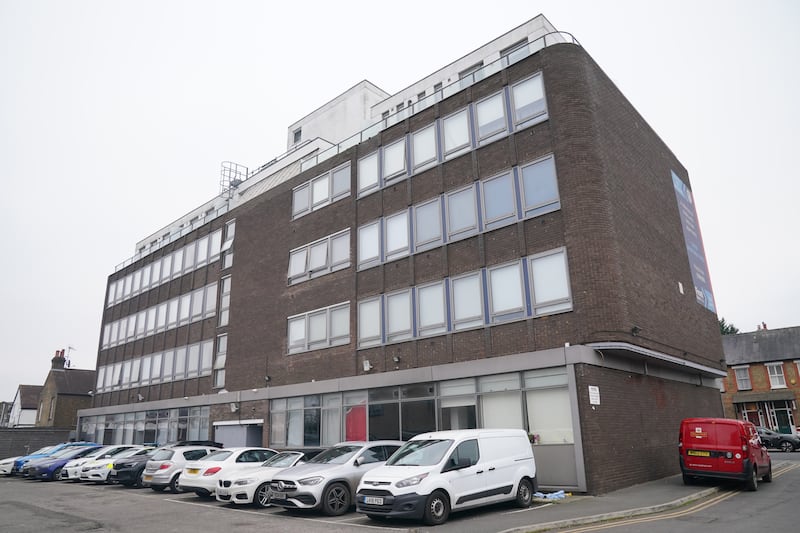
[(98, 469), (252, 485)]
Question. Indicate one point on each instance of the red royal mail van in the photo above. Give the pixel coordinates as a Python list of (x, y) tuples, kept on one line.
[(722, 448)]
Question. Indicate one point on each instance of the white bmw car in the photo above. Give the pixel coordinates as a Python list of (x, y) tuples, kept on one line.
[(252, 485)]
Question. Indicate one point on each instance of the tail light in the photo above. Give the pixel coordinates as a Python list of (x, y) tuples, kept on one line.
[(164, 466), (213, 470)]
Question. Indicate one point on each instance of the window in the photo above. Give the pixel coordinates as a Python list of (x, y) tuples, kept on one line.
[(168, 372), (368, 177), (227, 246), (398, 316), (396, 237), (551, 292), (225, 301), (455, 135), (369, 245), (321, 191), (193, 361), (297, 135), (321, 257), (499, 201), (540, 188), (428, 224), (528, 101), (369, 322), (431, 316), (300, 200), (467, 301), (470, 75), (490, 116), (742, 374), (506, 296), (394, 160), (202, 251), (424, 147), (462, 218), (776, 377), (329, 326), (549, 411)]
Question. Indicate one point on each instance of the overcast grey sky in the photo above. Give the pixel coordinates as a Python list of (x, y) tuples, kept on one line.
[(116, 115)]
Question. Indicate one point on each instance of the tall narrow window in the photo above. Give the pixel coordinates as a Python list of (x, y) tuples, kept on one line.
[(499, 201), (540, 187), (368, 176), (424, 147), (742, 374), (528, 101), (394, 160), (398, 316), (551, 292), (369, 322), (462, 218), (431, 316), (455, 134), (776, 377), (219, 361), (467, 301), (225, 301), (369, 245), (428, 224), (506, 296), (490, 115), (396, 238), (301, 203)]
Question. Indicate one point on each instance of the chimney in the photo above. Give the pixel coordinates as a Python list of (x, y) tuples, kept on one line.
[(58, 360)]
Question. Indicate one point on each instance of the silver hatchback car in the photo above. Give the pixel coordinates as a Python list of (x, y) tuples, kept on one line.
[(164, 467), (328, 481)]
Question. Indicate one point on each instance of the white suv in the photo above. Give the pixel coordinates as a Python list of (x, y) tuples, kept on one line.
[(164, 467), (328, 481)]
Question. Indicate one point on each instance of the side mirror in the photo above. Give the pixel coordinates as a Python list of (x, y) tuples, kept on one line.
[(359, 461)]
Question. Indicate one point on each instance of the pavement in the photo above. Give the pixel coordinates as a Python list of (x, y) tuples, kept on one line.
[(646, 498)]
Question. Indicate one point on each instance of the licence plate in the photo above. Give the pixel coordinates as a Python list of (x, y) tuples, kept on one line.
[(192, 470), (278, 495), (223, 491), (147, 478), (373, 500), (698, 453), (112, 473)]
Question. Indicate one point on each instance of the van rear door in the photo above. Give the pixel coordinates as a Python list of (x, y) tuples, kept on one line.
[(713, 445)]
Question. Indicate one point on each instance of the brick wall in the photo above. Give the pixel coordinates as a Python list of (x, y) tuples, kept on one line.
[(22, 441), (632, 436)]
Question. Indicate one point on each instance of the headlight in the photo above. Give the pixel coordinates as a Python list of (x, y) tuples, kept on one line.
[(242, 482), (311, 480), (409, 482)]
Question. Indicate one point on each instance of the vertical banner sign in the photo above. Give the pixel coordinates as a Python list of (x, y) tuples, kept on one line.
[(694, 245)]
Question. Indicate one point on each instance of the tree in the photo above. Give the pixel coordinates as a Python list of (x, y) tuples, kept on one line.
[(726, 328)]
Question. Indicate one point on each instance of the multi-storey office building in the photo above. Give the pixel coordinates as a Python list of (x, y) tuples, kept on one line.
[(505, 243)]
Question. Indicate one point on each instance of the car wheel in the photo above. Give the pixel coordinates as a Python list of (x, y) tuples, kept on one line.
[(688, 480), (752, 481), (768, 476), (786, 446), (262, 495), (174, 484), (57, 474), (336, 499), (437, 509), (139, 483), (524, 493)]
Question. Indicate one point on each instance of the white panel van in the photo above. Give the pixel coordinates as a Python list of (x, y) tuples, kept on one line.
[(435, 473)]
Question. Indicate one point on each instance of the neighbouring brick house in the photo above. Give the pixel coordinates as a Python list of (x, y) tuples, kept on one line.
[(763, 382), (65, 391), (504, 243)]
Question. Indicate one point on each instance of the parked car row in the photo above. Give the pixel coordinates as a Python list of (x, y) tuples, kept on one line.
[(423, 479)]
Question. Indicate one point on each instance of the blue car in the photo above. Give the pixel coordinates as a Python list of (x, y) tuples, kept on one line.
[(20, 462), (49, 468)]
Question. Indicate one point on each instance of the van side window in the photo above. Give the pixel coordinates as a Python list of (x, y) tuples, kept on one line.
[(466, 450), (374, 454)]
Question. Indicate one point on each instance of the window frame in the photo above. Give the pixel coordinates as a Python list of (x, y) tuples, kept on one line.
[(305, 344), (562, 304), (740, 381), (777, 380), (467, 231), (502, 127)]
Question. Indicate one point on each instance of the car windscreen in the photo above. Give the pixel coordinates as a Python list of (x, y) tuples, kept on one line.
[(338, 455), (63, 452), (162, 455), (75, 451), (217, 456), (43, 450), (283, 459), (420, 453), (127, 453)]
